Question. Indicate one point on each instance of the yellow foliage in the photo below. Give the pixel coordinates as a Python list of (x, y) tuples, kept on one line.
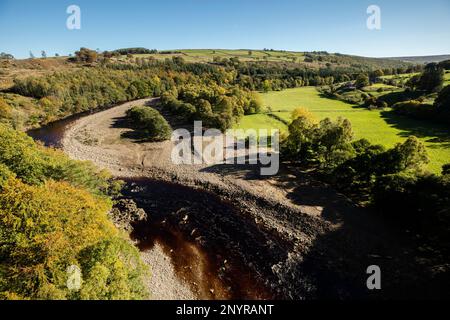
[(5, 109), (303, 112), (44, 227)]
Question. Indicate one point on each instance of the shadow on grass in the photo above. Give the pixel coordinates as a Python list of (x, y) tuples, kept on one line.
[(394, 97), (431, 131)]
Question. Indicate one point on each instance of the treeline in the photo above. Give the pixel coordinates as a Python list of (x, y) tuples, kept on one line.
[(392, 181), (430, 82), (127, 51), (278, 76), (53, 222), (74, 91), (216, 107)]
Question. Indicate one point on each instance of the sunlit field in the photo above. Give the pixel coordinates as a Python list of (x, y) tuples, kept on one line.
[(379, 127)]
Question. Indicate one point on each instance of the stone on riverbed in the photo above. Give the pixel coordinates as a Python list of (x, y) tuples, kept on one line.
[(125, 213)]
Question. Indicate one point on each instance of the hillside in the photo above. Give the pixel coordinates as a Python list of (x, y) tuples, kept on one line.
[(316, 59), (423, 59)]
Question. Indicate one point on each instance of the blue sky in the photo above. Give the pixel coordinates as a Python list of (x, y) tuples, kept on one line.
[(409, 27)]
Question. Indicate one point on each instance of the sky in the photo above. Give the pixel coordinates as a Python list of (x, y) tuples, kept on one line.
[(408, 27)]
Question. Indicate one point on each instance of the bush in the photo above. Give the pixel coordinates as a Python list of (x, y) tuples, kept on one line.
[(359, 174), (52, 211), (112, 270), (150, 123), (5, 109), (34, 164), (442, 102), (414, 108), (420, 201), (5, 174), (44, 229)]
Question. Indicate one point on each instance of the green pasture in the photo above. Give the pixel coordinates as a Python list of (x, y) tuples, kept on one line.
[(379, 127)]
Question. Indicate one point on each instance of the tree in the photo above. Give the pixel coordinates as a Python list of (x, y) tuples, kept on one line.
[(445, 64), (442, 102), (413, 82), (303, 112), (43, 54), (150, 123), (204, 107), (255, 105), (410, 155), (432, 78), (326, 144), (362, 81), (6, 56), (267, 86), (86, 55)]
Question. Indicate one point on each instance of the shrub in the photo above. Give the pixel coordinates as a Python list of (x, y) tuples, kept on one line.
[(359, 174), (34, 164), (362, 81), (442, 102), (112, 270), (5, 109), (53, 212), (414, 108), (5, 174), (44, 229), (150, 123)]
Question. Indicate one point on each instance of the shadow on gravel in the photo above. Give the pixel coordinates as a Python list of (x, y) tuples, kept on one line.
[(243, 171), (338, 259), (334, 264)]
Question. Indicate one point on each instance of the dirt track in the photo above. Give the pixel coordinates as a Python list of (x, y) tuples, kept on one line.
[(298, 237)]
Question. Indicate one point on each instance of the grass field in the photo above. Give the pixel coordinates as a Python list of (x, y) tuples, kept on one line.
[(380, 127), (261, 121), (207, 55)]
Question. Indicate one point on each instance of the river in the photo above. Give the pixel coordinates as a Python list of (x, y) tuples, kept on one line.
[(201, 260)]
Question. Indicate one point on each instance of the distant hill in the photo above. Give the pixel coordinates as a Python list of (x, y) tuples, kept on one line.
[(423, 59)]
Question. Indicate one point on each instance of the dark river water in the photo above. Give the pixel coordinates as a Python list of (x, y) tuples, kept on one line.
[(52, 134), (193, 227)]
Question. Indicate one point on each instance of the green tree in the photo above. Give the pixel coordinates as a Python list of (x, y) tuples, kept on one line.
[(432, 78), (150, 123), (442, 102), (362, 81)]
